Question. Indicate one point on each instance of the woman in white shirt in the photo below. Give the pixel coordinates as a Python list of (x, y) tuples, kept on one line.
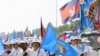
[(7, 49), (16, 50), (26, 50), (36, 48), (88, 51)]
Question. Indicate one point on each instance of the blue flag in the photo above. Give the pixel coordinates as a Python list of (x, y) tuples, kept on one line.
[(50, 40), (1, 46), (53, 44), (87, 3), (12, 36), (85, 21), (33, 32), (20, 34), (75, 31), (68, 50)]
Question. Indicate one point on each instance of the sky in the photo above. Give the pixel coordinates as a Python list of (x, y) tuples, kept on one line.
[(19, 14)]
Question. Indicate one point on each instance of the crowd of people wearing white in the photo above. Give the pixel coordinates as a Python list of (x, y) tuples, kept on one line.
[(22, 48), (81, 45)]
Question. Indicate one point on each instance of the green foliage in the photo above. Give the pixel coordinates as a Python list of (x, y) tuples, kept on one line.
[(62, 28), (37, 31)]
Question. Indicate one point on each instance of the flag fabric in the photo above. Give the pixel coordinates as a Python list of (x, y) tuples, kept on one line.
[(97, 19), (93, 10), (12, 36), (87, 3), (50, 40), (84, 21), (52, 44), (70, 11), (26, 28), (27, 33), (1, 46), (33, 32), (6, 38), (75, 31), (20, 34), (42, 30), (68, 49), (63, 36), (91, 27)]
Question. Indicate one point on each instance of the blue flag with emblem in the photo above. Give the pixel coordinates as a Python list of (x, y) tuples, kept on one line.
[(53, 44), (67, 49), (49, 42), (20, 34)]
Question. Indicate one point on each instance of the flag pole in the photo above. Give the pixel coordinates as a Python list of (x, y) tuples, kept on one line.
[(56, 14), (80, 1)]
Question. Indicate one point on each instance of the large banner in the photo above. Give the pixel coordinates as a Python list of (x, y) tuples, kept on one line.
[(29, 39)]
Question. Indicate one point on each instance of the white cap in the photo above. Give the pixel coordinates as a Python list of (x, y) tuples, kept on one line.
[(72, 38), (23, 41), (12, 41), (15, 41), (78, 38), (36, 40), (85, 40), (75, 37)]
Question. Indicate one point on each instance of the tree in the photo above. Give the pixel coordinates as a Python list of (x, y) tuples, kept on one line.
[(62, 28)]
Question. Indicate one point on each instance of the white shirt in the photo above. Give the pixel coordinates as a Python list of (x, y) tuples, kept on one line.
[(6, 54), (17, 52), (28, 51), (77, 50), (99, 52), (88, 50), (42, 52)]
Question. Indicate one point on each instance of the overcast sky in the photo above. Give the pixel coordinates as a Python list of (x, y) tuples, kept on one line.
[(18, 14)]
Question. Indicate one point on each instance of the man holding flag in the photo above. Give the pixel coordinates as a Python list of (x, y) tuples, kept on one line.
[(52, 44)]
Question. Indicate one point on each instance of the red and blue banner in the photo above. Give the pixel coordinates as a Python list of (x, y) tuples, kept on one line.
[(70, 11)]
